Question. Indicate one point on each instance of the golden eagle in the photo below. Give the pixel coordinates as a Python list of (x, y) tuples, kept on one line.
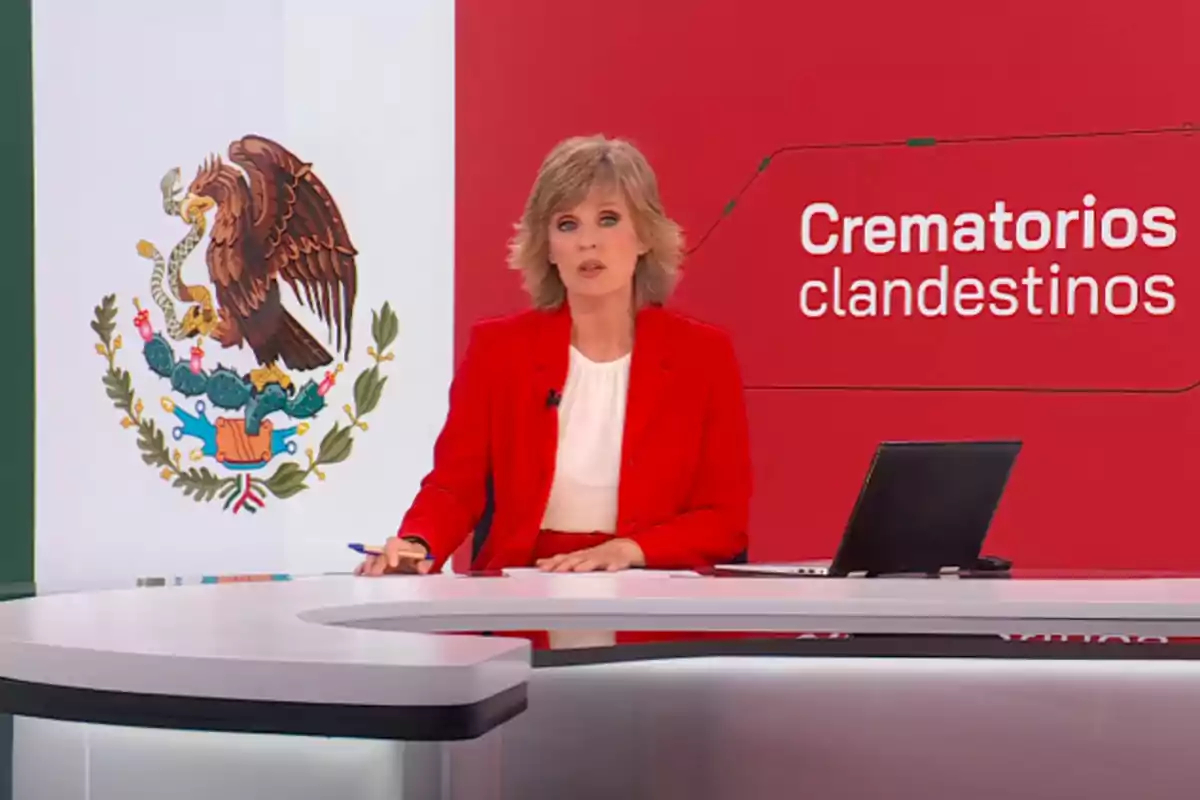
[(283, 224)]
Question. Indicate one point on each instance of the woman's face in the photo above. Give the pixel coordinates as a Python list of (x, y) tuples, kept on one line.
[(595, 246)]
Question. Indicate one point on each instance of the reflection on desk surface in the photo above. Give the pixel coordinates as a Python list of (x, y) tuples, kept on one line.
[(682, 643), (793, 570)]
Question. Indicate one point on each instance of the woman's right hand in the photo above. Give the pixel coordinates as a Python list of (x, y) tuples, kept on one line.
[(398, 556)]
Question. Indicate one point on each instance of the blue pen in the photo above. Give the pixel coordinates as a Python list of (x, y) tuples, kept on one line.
[(245, 578), (376, 550)]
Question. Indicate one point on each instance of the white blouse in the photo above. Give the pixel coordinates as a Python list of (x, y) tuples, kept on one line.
[(591, 424)]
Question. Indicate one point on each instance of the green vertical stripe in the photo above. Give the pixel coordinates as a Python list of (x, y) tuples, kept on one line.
[(16, 321), (16, 293)]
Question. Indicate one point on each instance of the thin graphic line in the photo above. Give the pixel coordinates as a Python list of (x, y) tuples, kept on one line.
[(931, 141), (1088, 390), (925, 141)]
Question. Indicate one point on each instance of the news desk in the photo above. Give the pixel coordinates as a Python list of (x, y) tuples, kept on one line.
[(349, 688)]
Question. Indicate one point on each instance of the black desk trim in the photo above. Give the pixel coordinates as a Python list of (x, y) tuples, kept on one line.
[(6, 757), (400, 723), (456, 723)]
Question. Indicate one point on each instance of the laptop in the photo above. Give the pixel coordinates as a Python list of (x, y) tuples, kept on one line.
[(924, 508)]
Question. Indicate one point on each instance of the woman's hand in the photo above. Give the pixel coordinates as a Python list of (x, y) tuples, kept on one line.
[(612, 556), (399, 555)]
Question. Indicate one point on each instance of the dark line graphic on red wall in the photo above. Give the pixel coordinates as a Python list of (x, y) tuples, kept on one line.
[(1186, 128), (924, 141)]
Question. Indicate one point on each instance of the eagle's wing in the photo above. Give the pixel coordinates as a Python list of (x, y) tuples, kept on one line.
[(300, 230)]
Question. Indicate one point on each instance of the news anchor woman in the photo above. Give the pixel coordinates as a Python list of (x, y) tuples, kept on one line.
[(597, 430)]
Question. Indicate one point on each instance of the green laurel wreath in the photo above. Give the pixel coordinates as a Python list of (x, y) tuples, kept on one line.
[(201, 483)]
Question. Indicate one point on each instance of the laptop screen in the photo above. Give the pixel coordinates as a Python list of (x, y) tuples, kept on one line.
[(925, 506)]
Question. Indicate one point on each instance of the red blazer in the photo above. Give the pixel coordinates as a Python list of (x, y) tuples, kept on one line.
[(685, 476)]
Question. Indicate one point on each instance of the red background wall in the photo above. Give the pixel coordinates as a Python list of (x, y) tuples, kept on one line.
[(1106, 475)]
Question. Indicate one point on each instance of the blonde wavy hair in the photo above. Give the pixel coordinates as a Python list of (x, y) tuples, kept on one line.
[(568, 173)]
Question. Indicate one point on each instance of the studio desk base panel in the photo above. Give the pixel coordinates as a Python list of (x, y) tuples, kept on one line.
[(704, 728), (448, 723)]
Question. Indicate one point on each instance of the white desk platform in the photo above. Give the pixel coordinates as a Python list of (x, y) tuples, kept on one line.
[(312, 640), (310, 635), (361, 658)]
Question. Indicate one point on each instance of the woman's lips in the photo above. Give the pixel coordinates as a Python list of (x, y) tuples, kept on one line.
[(590, 268)]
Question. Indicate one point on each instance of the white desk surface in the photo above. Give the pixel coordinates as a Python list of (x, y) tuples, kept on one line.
[(298, 640)]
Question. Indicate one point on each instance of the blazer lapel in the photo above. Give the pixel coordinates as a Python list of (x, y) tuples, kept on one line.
[(551, 356), (551, 360), (649, 372)]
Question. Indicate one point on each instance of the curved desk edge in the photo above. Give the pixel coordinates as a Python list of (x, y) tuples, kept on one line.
[(408, 723), (377, 659)]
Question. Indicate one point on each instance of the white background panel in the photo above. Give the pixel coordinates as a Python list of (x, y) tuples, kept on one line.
[(364, 90)]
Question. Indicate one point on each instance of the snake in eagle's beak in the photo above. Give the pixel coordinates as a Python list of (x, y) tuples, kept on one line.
[(195, 206)]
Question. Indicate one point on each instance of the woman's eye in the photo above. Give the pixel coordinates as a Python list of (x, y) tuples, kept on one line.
[(609, 220), (566, 225)]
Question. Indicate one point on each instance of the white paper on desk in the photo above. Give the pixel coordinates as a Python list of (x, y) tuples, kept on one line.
[(527, 572)]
